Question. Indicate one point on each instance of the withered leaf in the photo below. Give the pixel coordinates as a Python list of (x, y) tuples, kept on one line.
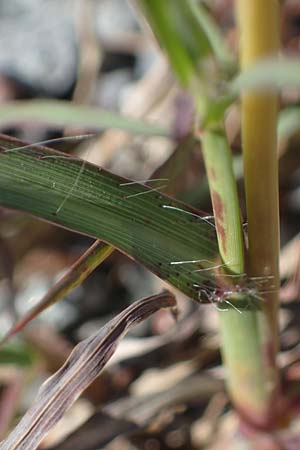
[(85, 363), (76, 274)]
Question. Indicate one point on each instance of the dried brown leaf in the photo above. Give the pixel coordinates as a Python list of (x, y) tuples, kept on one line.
[(84, 364)]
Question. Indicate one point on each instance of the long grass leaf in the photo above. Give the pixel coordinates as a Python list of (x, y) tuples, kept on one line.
[(218, 44), (269, 74), (160, 232), (85, 363), (77, 273), (61, 113), (178, 31)]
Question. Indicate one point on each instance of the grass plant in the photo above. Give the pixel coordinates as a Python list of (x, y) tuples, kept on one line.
[(238, 269)]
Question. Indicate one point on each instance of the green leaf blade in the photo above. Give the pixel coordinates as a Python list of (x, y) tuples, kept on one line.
[(62, 113), (156, 230), (269, 74), (179, 32)]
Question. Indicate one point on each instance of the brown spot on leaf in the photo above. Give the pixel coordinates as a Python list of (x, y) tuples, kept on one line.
[(219, 217), (218, 206), (270, 353), (213, 173), (222, 235)]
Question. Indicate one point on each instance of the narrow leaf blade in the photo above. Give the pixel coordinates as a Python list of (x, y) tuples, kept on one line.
[(77, 273), (154, 229), (62, 113), (179, 32), (217, 41), (269, 74)]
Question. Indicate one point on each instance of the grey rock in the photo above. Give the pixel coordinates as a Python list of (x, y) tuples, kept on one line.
[(37, 43)]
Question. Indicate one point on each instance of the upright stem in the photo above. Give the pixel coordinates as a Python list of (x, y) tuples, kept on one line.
[(248, 376), (224, 196), (259, 30), (259, 38), (249, 335)]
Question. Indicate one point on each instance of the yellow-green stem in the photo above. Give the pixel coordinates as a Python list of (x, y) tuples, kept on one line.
[(259, 38), (247, 378), (224, 196)]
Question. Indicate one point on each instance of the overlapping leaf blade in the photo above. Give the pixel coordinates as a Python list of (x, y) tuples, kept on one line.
[(156, 230)]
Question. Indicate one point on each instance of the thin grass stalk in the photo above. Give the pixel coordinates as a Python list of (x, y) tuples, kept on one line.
[(259, 30), (223, 190), (241, 347), (251, 381), (259, 38)]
